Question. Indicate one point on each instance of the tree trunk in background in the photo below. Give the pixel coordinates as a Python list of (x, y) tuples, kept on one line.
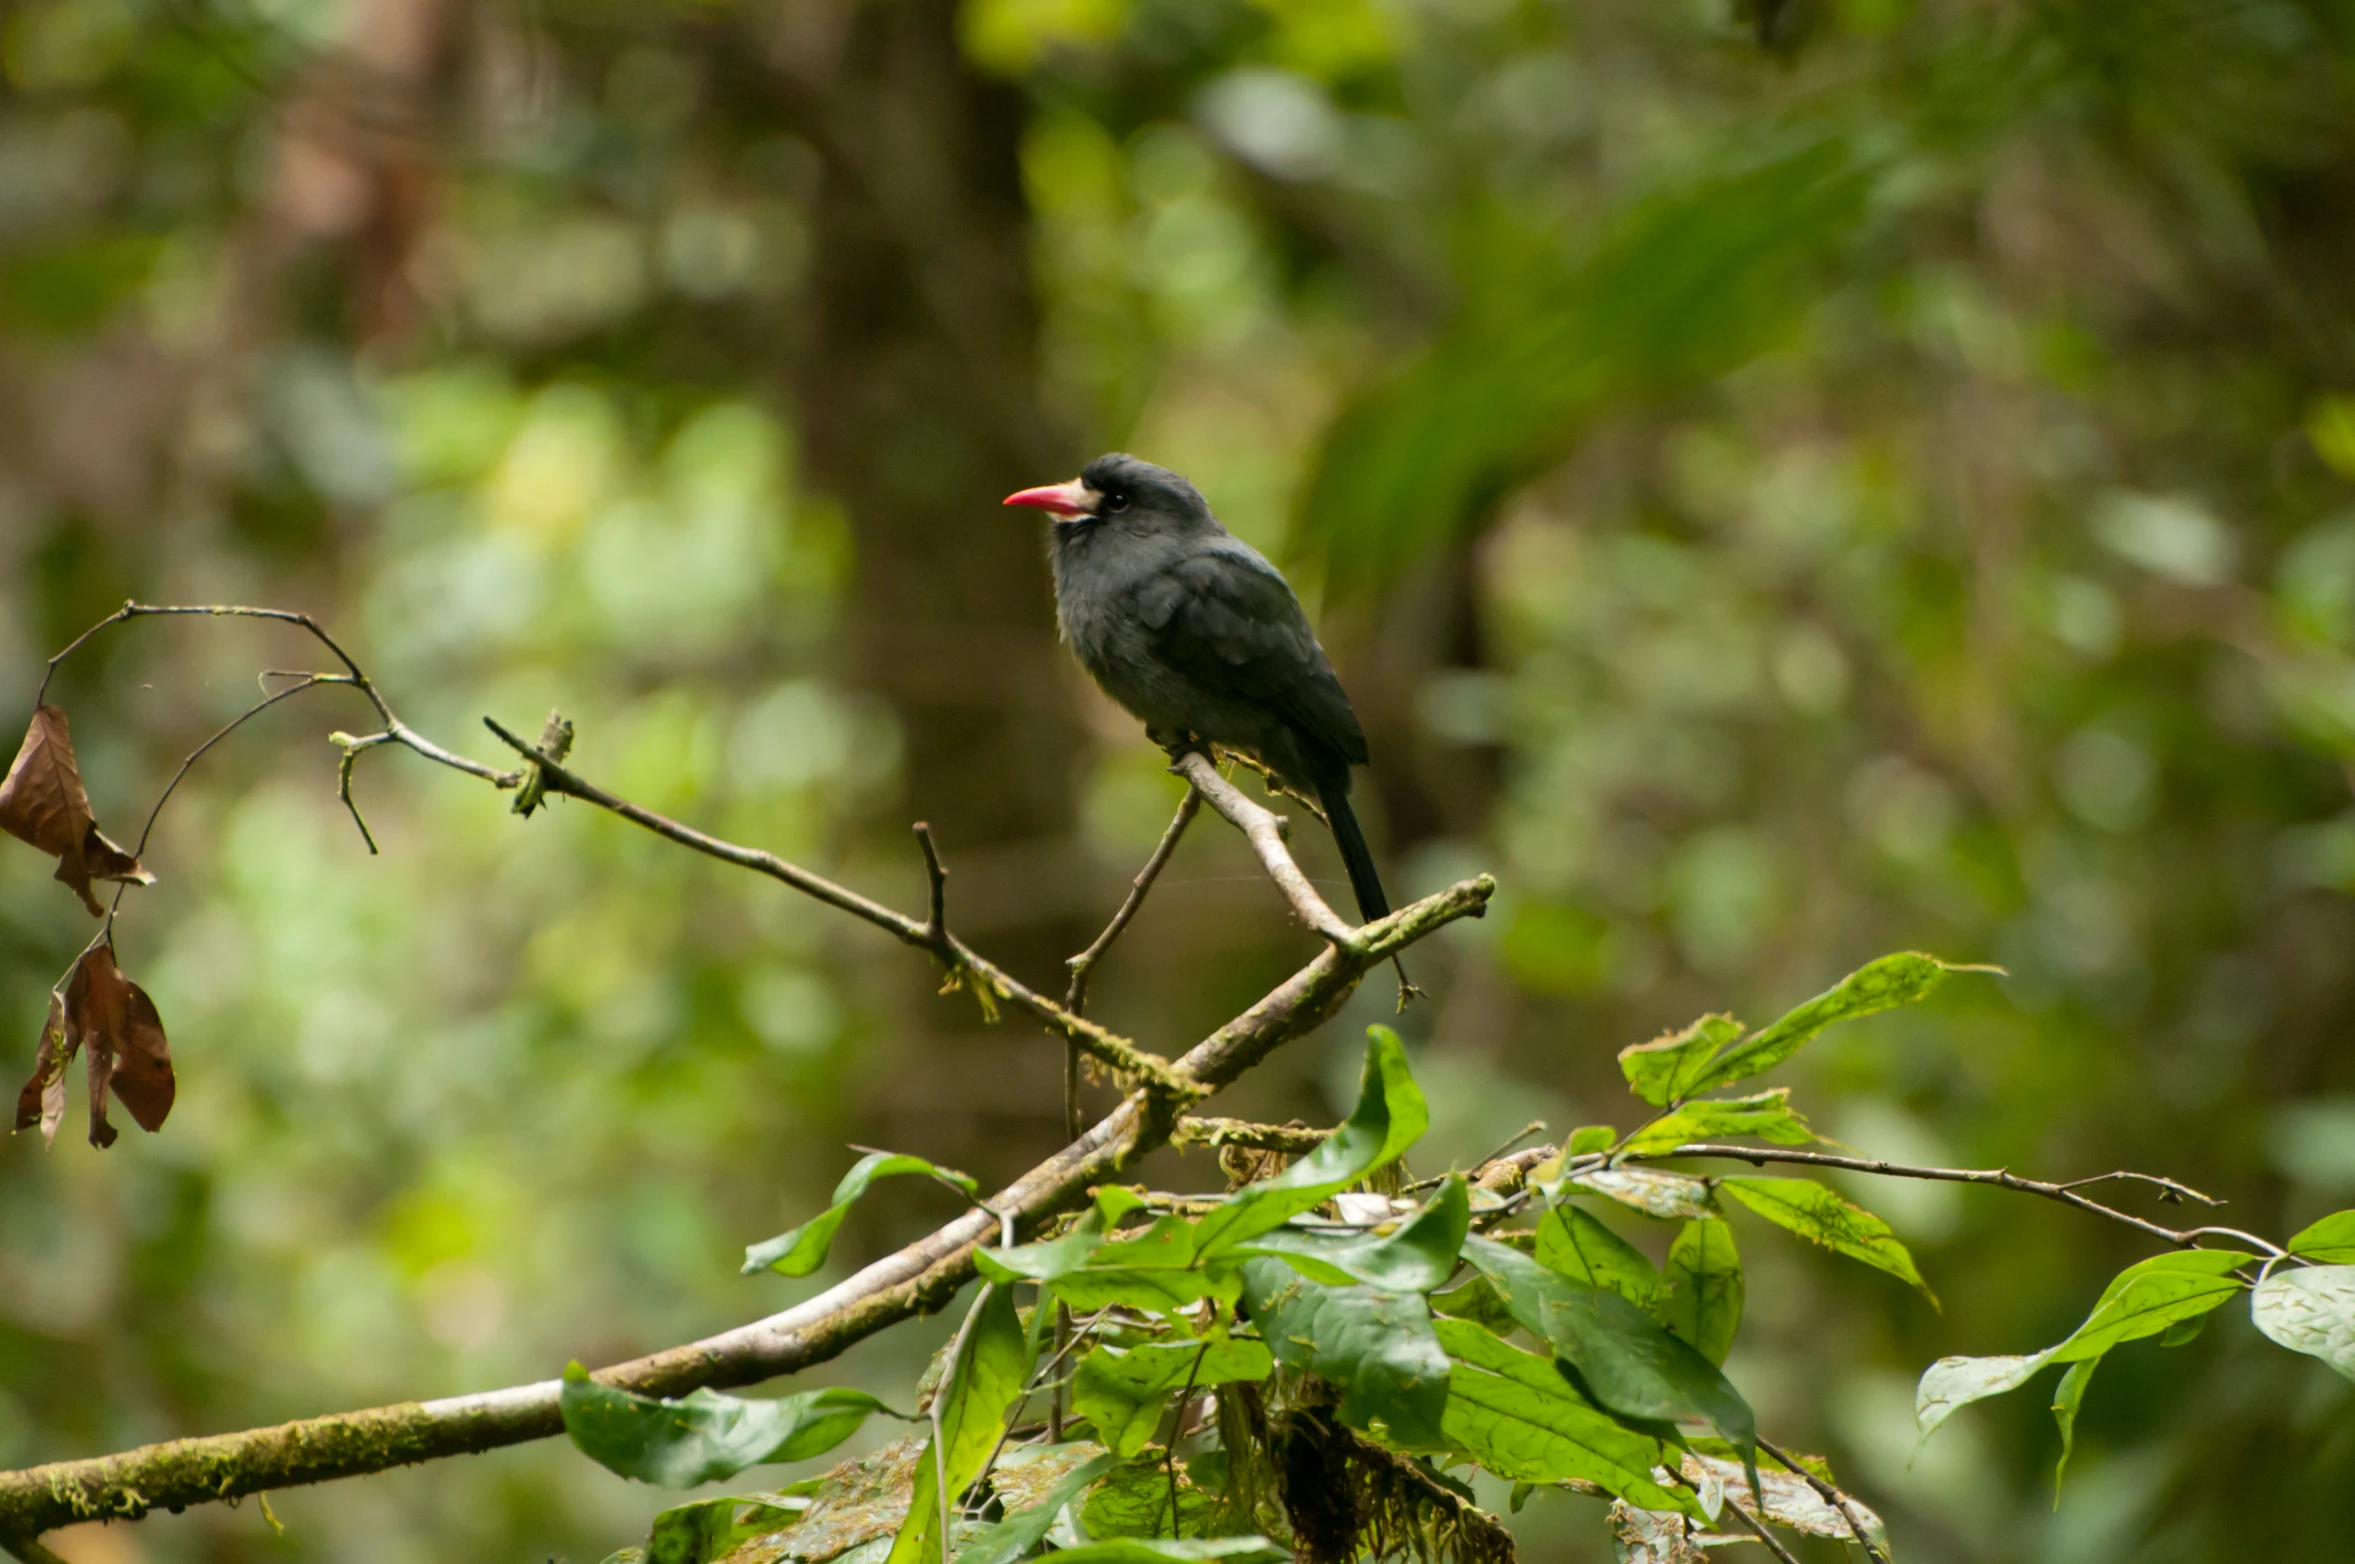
[(920, 408)]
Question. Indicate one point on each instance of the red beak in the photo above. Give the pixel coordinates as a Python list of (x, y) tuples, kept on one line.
[(1065, 501)]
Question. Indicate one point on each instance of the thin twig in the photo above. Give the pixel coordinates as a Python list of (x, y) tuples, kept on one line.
[(1114, 1050), (1265, 830), (1177, 1431), (2001, 1178), (395, 730), (1038, 1379), (1075, 998), (1831, 1496), (310, 681), (2168, 1188), (343, 791), (936, 901), (1472, 1175), (1757, 1528)]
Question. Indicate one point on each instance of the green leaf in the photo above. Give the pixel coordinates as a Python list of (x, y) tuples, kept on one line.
[(1766, 1115), (1672, 1065), (1122, 1391), (1156, 1270), (803, 1250), (2330, 1241), (690, 1533), (1625, 1363), (1418, 1257), (2146, 1299), (1052, 1258), (2065, 1400), (1704, 1305), (1591, 1138), (1020, 1532), (1132, 1503), (1821, 1216), (708, 1529), (1952, 1383), (1572, 1242), (1881, 985), (2184, 1332), (1478, 1302), (1377, 1346), (982, 1387), (1515, 1414), (1672, 1197), (1390, 1116), (704, 1437), (1631, 1366), (2310, 1310)]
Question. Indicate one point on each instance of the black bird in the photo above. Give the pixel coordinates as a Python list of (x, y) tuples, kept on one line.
[(1193, 631)]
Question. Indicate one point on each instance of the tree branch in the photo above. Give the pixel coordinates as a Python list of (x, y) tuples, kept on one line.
[(1265, 831), (1114, 1050), (919, 1278), (1291, 1139), (2001, 1178)]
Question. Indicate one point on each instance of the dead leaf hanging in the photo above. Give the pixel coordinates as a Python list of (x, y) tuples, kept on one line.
[(128, 1055), (42, 1101), (42, 802)]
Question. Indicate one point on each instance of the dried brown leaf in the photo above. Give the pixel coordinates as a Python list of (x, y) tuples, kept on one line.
[(100, 1064), (129, 1056), (42, 1101), (143, 1064), (42, 802)]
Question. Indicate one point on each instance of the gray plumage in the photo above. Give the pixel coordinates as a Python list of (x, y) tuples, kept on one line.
[(1193, 631)]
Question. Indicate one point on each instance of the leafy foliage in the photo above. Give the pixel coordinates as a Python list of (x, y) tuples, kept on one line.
[(1271, 1303), (801, 1250), (1705, 1288), (1817, 1214), (705, 1437)]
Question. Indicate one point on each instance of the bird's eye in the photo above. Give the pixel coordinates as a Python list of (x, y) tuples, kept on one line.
[(1114, 504)]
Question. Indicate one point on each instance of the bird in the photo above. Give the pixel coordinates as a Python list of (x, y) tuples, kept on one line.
[(1197, 635)]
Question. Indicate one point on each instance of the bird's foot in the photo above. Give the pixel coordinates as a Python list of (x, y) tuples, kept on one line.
[(1408, 993)]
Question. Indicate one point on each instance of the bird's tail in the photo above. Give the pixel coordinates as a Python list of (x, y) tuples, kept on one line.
[(1364, 879), (1355, 854)]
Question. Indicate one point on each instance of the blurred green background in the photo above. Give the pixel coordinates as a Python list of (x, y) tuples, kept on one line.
[(1783, 481)]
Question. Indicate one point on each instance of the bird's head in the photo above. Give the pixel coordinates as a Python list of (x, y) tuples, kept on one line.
[(1122, 491)]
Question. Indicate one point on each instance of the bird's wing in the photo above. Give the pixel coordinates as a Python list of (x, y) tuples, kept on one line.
[(1229, 622)]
